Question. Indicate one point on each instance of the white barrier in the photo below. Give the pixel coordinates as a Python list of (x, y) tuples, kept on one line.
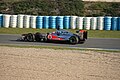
[(73, 22), (20, 21), (13, 21), (33, 21), (26, 21), (80, 22), (93, 23), (6, 20)]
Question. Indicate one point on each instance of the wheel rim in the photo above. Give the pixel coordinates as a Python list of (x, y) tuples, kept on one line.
[(30, 37), (73, 40)]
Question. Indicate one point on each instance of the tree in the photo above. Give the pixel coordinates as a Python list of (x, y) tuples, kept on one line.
[(71, 7)]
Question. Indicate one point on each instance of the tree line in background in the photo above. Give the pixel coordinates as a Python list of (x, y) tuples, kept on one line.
[(59, 7)]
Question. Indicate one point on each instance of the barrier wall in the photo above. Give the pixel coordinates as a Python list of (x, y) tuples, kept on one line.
[(73, 22), (1, 20), (93, 23), (86, 23), (59, 22), (100, 23), (52, 22), (6, 21), (39, 22), (64, 22), (114, 23), (26, 21), (118, 27), (20, 21), (46, 22), (107, 23), (33, 21), (79, 22), (13, 21)]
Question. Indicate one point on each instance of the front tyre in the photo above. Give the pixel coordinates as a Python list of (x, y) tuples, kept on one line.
[(73, 40), (30, 37)]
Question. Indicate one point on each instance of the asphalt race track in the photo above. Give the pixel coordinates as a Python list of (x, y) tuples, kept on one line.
[(98, 43)]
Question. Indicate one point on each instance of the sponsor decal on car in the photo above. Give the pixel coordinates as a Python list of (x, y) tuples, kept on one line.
[(53, 37)]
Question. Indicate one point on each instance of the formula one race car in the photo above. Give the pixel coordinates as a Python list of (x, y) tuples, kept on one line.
[(59, 35)]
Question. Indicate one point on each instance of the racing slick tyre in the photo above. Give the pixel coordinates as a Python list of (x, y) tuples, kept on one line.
[(37, 37), (30, 37), (73, 40), (40, 37)]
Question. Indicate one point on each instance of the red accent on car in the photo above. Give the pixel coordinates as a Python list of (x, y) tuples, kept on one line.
[(49, 36), (82, 30), (53, 37)]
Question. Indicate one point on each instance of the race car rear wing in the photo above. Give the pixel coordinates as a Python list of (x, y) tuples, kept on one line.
[(82, 33)]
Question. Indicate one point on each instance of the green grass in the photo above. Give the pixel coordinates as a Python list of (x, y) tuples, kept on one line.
[(23, 30), (91, 33), (60, 48), (104, 34)]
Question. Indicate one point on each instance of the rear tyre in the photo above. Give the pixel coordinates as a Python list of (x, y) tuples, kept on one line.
[(30, 37), (37, 37), (40, 37), (73, 40)]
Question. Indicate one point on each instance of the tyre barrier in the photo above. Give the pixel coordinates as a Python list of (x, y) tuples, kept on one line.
[(100, 23), (64, 22), (86, 23), (20, 21), (73, 22), (13, 21), (118, 27), (93, 23), (59, 22), (6, 21), (26, 21), (114, 23), (39, 22), (52, 22), (1, 20), (107, 23), (79, 22), (33, 21)]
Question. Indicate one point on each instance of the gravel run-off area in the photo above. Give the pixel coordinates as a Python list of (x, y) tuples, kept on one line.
[(51, 64)]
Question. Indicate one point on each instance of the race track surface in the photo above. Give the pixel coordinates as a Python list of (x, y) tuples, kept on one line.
[(99, 43)]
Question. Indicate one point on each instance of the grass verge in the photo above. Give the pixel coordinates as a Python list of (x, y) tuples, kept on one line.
[(91, 33), (60, 48)]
